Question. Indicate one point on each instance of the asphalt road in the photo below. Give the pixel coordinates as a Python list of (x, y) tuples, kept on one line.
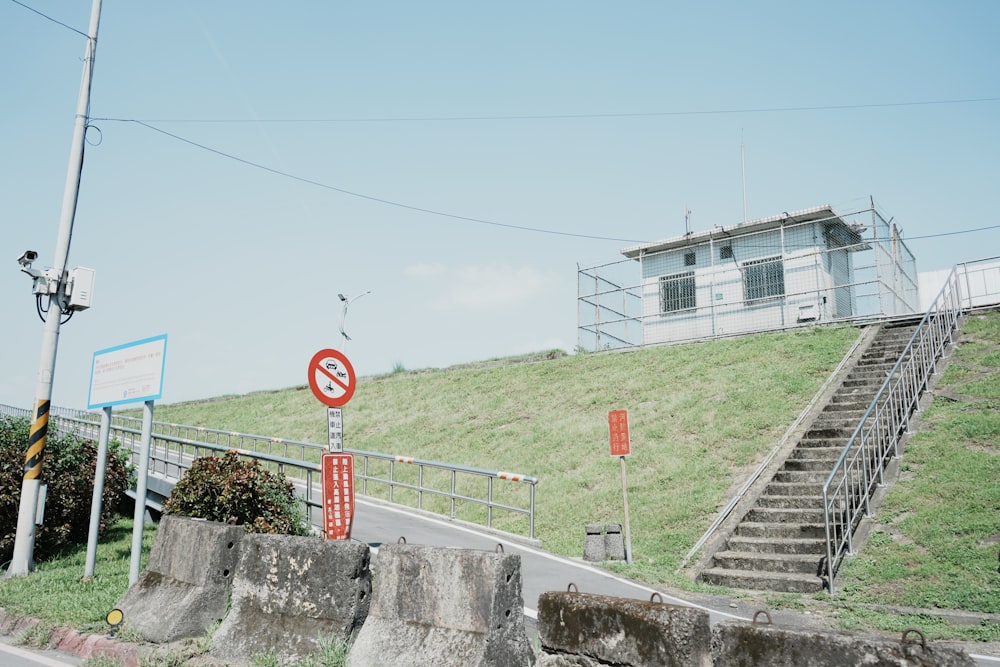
[(20, 656)]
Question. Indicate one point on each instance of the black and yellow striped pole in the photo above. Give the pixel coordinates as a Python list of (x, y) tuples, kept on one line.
[(54, 284)]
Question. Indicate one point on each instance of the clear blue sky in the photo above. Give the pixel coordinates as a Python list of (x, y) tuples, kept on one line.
[(598, 122)]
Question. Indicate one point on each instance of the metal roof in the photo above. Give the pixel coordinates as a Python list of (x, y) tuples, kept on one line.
[(825, 212)]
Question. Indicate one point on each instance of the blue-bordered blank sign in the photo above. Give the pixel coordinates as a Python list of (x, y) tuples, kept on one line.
[(128, 373)]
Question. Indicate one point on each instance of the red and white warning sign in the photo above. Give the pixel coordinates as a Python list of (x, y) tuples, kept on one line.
[(618, 428), (331, 378), (338, 495)]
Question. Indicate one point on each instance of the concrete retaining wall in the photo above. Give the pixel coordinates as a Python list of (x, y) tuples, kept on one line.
[(752, 645), (596, 629), (288, 592), (444, 607), (185, 587)]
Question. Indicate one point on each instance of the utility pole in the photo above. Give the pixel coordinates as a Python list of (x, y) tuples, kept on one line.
[(24, 542)]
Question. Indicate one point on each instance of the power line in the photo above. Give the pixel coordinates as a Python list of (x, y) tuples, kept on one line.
[(430, 211), (46, 16), (627, 114), (379, 200)]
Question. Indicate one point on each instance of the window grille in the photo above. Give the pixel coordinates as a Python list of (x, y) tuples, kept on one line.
[(689, 259), (677, 292), (726, 252), (763, 278)]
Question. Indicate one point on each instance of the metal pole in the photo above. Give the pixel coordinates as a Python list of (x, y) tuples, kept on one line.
[(138, 517), (628, 532), (97, 499), (24, 541)]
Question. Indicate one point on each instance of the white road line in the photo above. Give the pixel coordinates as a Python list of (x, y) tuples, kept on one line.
[(531, 613)]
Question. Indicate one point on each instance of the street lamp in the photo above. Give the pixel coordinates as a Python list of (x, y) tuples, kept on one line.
[(347, 300)]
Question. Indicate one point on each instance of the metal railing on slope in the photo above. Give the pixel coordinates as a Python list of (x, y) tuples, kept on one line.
[(174, 446), (860, 469)]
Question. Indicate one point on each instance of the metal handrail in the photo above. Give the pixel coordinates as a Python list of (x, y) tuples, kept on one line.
[(171, 454), (859, 470)]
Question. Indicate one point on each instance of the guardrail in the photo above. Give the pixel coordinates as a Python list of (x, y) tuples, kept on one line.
[(860, 469), (460, 492)]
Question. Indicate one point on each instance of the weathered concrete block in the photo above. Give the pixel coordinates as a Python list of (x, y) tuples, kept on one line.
[(186, 585), (607, 630), (594, 548), (614, 544), (444, 607), (744, 645), (289, 591)]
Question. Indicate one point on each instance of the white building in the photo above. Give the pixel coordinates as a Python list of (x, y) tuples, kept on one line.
[(783, 271)]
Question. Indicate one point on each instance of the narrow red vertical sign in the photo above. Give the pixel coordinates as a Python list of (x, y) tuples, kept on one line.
[(338, 495), (618, 428)]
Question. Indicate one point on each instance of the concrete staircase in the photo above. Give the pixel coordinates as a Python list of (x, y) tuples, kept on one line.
[(780, 543)]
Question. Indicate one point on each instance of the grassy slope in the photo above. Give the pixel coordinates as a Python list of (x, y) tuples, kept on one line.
[(937, 535), (701, 416)]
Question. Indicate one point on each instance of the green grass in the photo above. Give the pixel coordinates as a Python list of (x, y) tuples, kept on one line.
[(57, 593), (701, 417), (936, 538)]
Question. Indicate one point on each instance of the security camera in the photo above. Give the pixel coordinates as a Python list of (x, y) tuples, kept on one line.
[(27, 257)]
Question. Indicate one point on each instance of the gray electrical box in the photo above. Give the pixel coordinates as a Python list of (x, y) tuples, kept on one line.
[(81, 285)]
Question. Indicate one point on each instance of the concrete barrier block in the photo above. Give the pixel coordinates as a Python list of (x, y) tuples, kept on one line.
[(622, 631), (594, 548), (745, 645), (444, 607), (288, 592), (614, 544), (186, 585)]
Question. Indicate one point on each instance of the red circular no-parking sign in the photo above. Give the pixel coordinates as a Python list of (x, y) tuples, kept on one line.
[(331, 378)]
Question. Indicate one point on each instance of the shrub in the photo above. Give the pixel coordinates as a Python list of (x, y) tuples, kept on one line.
[(229, 489), (68, 469)]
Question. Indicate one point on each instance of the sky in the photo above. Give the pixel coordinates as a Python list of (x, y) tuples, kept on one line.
[(449, 165)]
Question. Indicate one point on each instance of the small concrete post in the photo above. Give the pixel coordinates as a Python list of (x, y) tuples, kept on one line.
[(614, 545), (593, 543)]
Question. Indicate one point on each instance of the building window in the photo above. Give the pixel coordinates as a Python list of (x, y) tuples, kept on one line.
[(677, 292), (726, 252), (689, 259), (763, 278)]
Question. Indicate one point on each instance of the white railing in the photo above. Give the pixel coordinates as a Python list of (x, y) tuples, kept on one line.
[(382, 476)]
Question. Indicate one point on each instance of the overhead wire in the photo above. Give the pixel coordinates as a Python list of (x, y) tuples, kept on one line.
[(49, 18), (380, 200), (429, 211)]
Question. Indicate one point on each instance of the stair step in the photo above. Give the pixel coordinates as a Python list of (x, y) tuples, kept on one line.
[(784, 582), (780, 501), (795, 515), (788, 545), (773, 562), (794, 489), (816, 453), (803, 476), (809, 465), (781, 530)]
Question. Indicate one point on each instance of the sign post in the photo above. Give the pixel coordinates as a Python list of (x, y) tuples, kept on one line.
[(622, 447), (127, 373), (332, 380)]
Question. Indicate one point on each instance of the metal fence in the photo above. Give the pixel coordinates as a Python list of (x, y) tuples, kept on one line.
[(497, 499), (834, 268), (860, 469)]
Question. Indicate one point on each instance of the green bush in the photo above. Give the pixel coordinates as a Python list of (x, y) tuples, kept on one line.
[(229, 489), (68, 469)]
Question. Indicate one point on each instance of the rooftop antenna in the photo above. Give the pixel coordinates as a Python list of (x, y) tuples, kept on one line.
[(687, 221), (743, 163)]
